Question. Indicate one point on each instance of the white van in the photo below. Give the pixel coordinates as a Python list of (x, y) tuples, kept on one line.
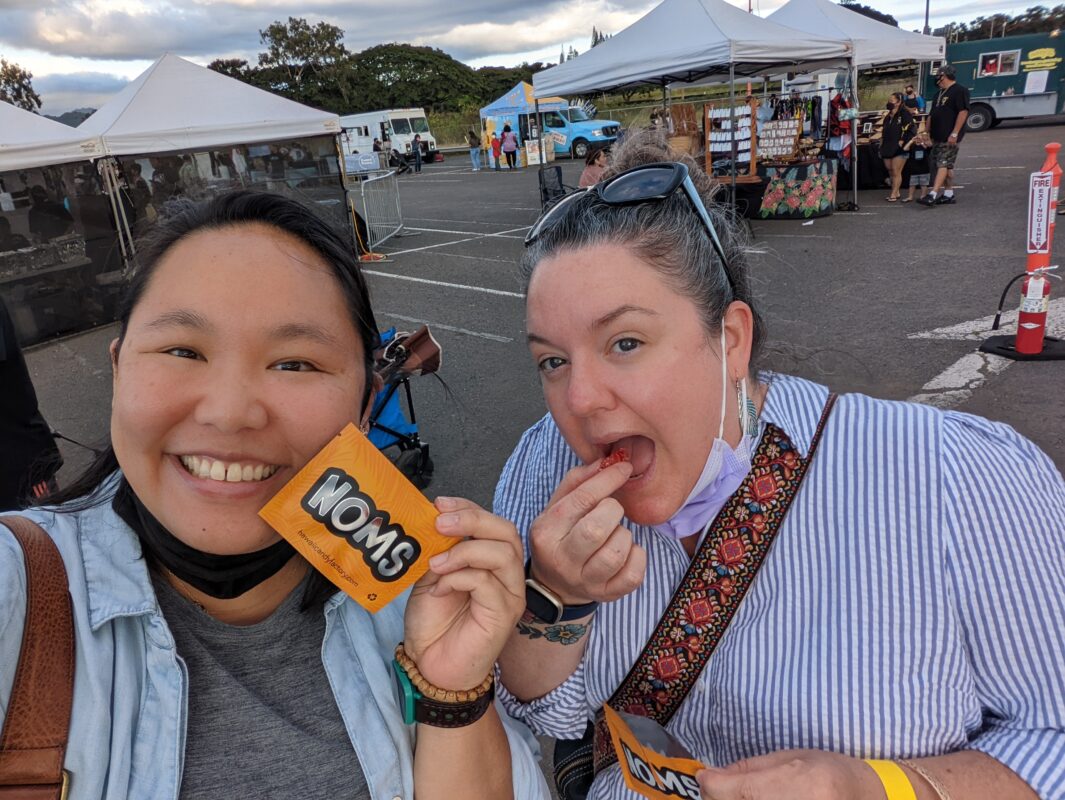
[(399, 125)]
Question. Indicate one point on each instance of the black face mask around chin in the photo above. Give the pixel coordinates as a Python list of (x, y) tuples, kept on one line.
[(223, 577)]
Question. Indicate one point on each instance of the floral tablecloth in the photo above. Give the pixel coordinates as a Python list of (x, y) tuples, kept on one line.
[(799, 191)]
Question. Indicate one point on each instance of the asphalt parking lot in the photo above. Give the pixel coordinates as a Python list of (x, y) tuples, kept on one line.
[(889, 301)]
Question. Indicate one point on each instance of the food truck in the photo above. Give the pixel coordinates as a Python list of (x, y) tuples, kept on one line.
[(568, 129), (398, 125), (1008, 77)]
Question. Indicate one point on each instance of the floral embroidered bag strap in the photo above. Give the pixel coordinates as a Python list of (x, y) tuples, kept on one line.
[(708, 596)]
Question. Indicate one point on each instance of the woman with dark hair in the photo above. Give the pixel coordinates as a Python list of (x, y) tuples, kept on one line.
[(211, 660), (899, 630), (510, 146), (899, 129), (594, 166)]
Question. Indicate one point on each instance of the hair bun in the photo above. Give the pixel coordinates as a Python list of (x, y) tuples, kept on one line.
[(647, 146)]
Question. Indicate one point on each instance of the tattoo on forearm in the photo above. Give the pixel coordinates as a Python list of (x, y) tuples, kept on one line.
[(565, 634)]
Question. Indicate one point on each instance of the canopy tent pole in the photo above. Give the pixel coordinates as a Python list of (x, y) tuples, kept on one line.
[(732, 124), (539, 132), (125, 237), (854, 131)]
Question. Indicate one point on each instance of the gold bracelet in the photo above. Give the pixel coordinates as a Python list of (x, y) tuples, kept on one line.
[(435, 692), (929, 778)]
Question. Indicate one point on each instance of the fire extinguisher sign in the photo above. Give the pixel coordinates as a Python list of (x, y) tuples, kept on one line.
[(1040, 195)]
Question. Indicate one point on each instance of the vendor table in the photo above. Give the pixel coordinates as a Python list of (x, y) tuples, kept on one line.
[(801, 190), (872, 174)]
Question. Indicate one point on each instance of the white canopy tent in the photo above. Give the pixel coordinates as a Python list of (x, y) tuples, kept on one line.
[(689, 41), (178, 105), (28, 140), (873, 42)]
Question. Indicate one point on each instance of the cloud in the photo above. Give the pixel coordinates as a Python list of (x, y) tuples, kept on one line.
[(548, 29), (145, 29), (80, 82), (66, 91)]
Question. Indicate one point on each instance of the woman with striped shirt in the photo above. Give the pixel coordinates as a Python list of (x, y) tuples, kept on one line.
[(909, 611)]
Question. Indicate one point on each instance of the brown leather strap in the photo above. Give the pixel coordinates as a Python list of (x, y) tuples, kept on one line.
[(709, 594), (37, 724)]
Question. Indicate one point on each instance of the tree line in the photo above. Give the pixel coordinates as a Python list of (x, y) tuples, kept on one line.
[(1038, 19), (310, 64)]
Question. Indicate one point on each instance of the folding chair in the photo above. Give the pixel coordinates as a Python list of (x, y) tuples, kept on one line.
[(551, 186)]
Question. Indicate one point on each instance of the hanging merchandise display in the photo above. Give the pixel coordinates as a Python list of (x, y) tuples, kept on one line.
[(779, 138), (730, 139)]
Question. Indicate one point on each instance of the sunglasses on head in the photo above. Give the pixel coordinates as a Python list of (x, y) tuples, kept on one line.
[(646, 183)]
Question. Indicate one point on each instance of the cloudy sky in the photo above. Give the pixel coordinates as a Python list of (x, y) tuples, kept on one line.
[(83, 51)]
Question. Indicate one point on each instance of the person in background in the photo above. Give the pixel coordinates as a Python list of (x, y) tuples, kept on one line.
[(497, 149), (47, 218), (473, 139), (140, 192), (594, 164), (212, 660), (416, 151), (946, 126), (914, 102), (376, 145), (915, 173), (9, 240), (30, 458), (899, 129), (510, 146), (188, 175), (909, 607)]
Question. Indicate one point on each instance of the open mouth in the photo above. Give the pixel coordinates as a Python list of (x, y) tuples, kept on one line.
[(226, 471), (637, 450)]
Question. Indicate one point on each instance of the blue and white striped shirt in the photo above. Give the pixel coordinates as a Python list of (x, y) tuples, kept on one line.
[(913, 603)]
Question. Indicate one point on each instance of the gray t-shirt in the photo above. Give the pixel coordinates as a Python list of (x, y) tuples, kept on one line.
[(262, 721)]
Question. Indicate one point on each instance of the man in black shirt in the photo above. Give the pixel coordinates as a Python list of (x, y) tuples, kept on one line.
[(947, 118), (29, 458)]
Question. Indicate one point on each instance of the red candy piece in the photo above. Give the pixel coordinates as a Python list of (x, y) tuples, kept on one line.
[(619, 455)]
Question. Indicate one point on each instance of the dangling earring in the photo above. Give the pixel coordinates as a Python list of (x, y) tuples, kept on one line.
[(748, 413)]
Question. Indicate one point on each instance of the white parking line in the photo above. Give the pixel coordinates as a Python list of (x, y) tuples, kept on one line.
[(460, 221), (790, 236), (473, 238), (441, 326), (446, 285), (460, 233), (485, 258)]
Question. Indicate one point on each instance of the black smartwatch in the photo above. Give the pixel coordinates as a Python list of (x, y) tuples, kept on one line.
[(547, 606)]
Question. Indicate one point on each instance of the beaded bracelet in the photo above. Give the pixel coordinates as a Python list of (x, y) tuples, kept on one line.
[(435, 692), (929, 778)]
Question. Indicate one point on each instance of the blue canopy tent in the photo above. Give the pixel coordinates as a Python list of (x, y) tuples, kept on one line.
[(517, 108)]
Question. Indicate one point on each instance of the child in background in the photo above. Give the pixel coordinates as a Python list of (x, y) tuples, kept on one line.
[(916, 172), (497, 149)]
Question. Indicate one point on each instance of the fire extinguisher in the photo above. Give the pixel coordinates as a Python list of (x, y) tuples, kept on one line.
[(1032, 319)]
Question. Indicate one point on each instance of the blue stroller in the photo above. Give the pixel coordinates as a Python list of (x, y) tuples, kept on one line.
[(393, 426)]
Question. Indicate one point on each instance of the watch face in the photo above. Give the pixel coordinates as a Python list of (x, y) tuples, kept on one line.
[(542, 602)]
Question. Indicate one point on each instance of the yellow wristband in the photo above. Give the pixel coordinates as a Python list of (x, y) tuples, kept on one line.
[(896, 784)]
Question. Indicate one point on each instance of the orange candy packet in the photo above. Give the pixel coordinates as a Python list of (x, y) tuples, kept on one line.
[(358, 520), (653, 762)]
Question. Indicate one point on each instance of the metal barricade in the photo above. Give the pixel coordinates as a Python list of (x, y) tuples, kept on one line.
[(373, 198)]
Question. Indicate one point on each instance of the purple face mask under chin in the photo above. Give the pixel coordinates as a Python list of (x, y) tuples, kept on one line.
[(722, 475), (724, 472)]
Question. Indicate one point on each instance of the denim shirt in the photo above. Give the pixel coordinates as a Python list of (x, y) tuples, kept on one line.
[(127, 727)]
